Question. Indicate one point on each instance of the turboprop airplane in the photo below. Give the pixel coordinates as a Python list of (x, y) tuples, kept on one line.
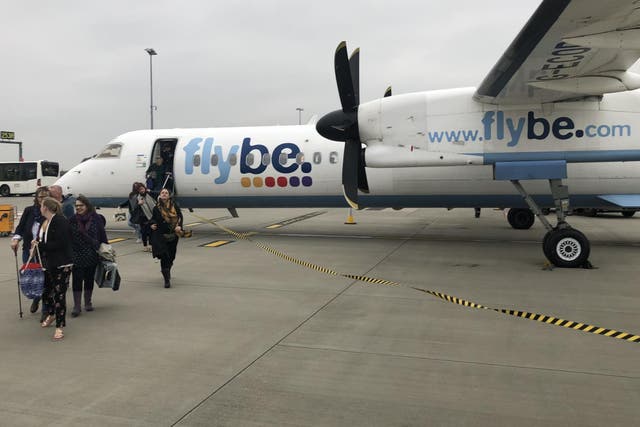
[(558, 111)]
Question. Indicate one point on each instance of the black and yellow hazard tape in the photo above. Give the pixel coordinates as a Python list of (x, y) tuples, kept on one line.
[(626, 336), (549, 320)]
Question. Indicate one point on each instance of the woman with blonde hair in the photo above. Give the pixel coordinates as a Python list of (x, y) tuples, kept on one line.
[(54, 244), (166, 226)]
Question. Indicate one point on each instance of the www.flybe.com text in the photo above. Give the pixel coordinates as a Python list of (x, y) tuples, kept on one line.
[(495, 127)]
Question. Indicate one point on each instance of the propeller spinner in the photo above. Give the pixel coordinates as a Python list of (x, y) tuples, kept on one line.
[(342, 125)]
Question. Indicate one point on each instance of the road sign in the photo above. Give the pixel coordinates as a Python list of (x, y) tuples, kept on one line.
[(5, 134)]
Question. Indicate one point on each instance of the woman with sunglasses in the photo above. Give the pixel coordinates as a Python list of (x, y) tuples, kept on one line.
[(87, 232)]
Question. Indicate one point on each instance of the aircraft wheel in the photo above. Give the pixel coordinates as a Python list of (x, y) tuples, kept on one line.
[(5, 191), (628, 214), (566, 247), (521, 219)]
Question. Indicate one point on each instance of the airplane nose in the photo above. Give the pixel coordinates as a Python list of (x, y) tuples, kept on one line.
[(66, 181)]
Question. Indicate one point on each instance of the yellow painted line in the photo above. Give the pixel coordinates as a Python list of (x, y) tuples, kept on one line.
[(274, 226), (217, 243), (117, 239), (193, 224)]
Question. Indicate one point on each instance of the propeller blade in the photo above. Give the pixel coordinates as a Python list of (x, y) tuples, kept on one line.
[(354, 66), (387, 92), (344, 79), (363, 184), (350, 162)]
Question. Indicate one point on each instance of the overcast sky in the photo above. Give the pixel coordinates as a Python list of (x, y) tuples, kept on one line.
[(74, 73)]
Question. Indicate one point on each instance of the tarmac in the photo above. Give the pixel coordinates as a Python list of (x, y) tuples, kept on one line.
[(268, 332)]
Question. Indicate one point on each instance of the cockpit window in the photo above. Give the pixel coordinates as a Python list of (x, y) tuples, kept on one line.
[(111, 151)]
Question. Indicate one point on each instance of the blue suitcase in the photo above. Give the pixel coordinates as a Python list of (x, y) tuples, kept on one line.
[(107, 275)]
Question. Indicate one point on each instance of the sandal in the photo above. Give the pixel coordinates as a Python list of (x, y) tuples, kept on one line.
[(48, 321), (58, 335)]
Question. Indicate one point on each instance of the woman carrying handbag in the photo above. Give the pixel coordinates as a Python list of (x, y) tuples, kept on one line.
[(54, 244)]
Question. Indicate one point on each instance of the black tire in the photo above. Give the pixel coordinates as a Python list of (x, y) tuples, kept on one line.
[(545, 244), (521, 219), (5, 191), (567, 248), (628, 214)]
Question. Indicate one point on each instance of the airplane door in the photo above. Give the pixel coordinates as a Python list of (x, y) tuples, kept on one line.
[(160, 173)]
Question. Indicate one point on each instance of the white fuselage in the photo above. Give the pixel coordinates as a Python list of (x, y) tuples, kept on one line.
[(427, 149)]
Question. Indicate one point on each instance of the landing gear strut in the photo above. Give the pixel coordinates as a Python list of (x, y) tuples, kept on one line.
[(563, 245)]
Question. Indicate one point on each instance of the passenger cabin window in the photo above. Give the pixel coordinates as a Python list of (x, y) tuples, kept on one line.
[(266, 159), (214, 160), (111, 151), (300, 158), (317, 158), (333, 157), (196, 160), (249, 159), (233, 159)]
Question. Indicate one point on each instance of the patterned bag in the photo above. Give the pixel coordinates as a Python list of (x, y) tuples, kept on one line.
[(32, 278)]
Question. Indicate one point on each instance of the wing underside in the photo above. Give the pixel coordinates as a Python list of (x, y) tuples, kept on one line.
[(569, 49)]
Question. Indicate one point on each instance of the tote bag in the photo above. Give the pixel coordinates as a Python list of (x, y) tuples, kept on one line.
[(32, 277)]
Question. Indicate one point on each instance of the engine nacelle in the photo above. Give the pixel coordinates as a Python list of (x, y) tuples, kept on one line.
[(385, 156)]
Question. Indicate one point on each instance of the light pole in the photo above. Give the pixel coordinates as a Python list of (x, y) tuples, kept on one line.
[(151, 53), (300, 110)]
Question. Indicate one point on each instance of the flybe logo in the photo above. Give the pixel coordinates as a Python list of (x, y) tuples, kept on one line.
[(495, 126), (254, 160)]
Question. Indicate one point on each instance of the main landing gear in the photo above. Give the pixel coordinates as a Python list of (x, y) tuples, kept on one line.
[(563, 245)]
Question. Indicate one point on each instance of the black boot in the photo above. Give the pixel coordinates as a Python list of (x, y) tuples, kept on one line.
[(88, 306), (166, 273), (77, 303)]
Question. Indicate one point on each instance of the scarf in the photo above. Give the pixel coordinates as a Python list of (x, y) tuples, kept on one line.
[(168, 212), (84, 222)]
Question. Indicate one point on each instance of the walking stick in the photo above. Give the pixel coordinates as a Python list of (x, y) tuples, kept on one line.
[(15, 254)]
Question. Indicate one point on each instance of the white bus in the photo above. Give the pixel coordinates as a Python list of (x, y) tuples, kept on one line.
[(26, 177)]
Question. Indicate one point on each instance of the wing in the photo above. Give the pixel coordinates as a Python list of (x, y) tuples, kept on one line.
[(568, 49)]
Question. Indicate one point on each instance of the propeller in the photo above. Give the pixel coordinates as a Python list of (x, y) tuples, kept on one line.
[(342, 125)]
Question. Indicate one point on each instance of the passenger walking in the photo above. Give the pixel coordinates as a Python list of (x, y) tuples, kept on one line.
[(27, 230), (156, 176), (143, 212), (54, 243), (87, 233), (166, 226), (134, 213)]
